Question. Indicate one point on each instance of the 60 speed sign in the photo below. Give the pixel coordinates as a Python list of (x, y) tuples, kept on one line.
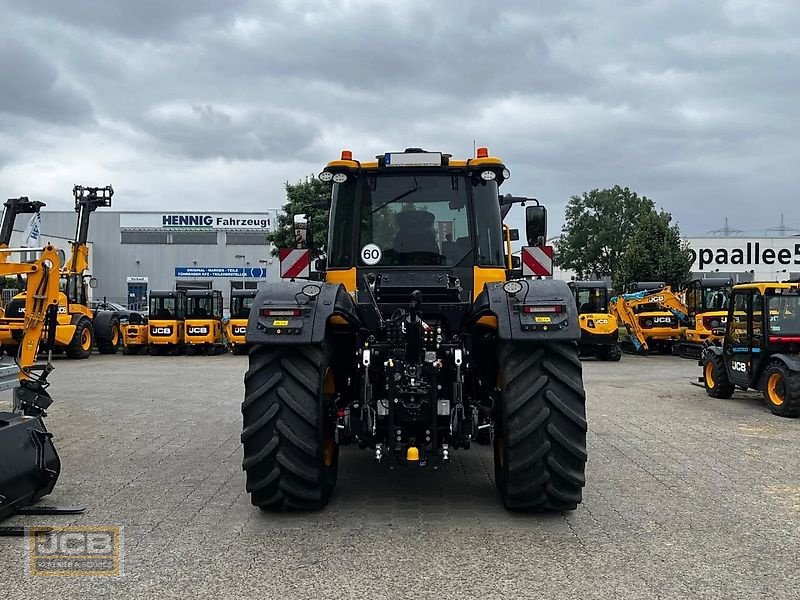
[(371, 254)]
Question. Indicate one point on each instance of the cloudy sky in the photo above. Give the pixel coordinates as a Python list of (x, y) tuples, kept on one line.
[(211, 104)]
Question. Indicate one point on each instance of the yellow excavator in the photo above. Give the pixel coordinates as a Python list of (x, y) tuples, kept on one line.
[(29, 463), (649, 317)]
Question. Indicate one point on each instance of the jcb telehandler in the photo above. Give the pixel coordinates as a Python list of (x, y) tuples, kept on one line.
[(415, 337), (599, 328), (236, 328), (203, 324), (29, 463), (14, 207), (761, 347), (166, 322), (79, 327)]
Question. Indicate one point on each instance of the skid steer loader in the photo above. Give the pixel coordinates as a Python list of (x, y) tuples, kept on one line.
[(29, 463), (236, 328), (166, 322), (413, 339), (599, 328), (203, 325)]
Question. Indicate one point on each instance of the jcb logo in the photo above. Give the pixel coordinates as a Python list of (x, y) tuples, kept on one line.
[(739, 366), (198, 330), (161, 330), (656, 298), (664, 320), (239, 330), (601, 321), (62, 310)]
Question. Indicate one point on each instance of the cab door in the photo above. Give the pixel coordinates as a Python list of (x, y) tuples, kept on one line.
[(739, 338)]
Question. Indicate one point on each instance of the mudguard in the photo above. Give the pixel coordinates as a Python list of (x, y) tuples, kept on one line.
[(791, 361), (514, 324), (310, 325)]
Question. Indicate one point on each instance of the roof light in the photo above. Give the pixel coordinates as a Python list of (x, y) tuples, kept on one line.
[(347, 155), (482, 152), (488, 175), (340, 178), (506, 174), (325, 176)]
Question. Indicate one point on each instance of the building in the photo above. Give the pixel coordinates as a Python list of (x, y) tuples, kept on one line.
[(132, 253), (746, 258)]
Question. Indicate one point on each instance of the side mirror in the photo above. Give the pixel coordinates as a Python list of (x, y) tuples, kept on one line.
[(321, 264), (536, 225), (513, 235), (516, 262), (301, 231), (93, 282)]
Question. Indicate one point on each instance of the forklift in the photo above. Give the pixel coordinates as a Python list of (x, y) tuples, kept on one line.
[(204, 322), (236, 328), (761, 347), (166, 323)]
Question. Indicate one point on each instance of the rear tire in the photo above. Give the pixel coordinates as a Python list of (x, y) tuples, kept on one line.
[(540, 435), (290, 456), (782, 390), (108, 341), (715, 377), (80, 346)]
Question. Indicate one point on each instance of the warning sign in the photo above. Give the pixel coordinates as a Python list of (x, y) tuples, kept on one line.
[(295, 262), (537, 261)]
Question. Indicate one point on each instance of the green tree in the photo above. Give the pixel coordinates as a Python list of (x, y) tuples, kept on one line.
[(596, 231), (300, 196), (655, 252)]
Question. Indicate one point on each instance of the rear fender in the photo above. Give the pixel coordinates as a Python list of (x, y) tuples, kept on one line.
[(513, 324), (790, 361), (310, 326)]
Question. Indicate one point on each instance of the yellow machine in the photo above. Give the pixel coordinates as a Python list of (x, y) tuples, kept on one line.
[(135, 334), (14, 207), (599, 328), (645, 314), (203, 324), (166, 321), (236, 328), (29, 464), (79, 328), (706, 309)]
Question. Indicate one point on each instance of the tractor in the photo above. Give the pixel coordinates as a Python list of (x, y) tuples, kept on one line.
[(416, 341), (761, 347), (599, 328)]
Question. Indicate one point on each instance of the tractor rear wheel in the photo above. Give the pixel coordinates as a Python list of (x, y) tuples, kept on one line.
[(290, 454), (715, 377), (108, 340), (782, 390), (540, 434), (82, 340)]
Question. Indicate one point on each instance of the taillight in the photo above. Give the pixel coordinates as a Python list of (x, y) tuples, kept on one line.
[(280, 312), (555, 308)]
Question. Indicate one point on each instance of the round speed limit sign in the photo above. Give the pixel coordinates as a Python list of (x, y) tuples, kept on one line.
[(371, 254)]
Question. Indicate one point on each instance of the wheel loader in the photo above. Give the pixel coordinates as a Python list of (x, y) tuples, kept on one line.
[(599, 328), (166, 322), (203, 324), (29, 463), (79, 327), (760, 348), (236, 328), (414, 338)]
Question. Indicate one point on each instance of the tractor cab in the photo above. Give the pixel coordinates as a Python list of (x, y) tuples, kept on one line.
[(236, 329), (760, 348), (203, 321), (599, 328), (167, 314)]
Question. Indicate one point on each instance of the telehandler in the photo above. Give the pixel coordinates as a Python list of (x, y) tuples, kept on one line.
[(79, 327), (203, 324), (415, 337), (761, 347), (599, 328), (29, 463), (236, 328), (166, 322)]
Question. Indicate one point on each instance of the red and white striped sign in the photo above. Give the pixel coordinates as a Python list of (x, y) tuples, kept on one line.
[(537, 261), (295, 262)]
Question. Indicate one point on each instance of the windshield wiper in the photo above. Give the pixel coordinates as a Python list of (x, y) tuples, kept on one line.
[(400, 197)]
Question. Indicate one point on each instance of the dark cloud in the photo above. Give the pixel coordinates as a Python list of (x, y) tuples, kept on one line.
[(692, 104)]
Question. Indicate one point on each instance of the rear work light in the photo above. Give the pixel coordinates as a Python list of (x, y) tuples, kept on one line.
[(555, 308), (280, 312)]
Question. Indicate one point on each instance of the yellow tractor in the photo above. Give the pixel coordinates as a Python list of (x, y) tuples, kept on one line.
[(414, 339), (599, 328), (79, 327), (203, 324), (236, 328), (166, 322)]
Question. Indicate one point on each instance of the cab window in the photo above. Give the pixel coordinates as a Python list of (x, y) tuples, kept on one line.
[(740, 322)]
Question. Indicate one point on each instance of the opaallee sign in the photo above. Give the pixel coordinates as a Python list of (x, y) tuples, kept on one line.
[(741, 254), (191, 220)]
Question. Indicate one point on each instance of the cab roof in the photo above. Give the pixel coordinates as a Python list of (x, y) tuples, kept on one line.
[(765, 287), (418, 160), (243, 293), (202, 293), (167, 294), (713, 282)]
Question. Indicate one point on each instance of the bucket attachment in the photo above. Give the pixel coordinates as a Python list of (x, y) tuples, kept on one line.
[(29, 464)]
